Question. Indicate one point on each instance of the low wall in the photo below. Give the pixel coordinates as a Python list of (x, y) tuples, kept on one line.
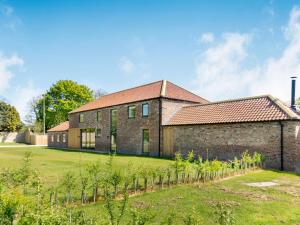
[(225, 141), (10, 137)]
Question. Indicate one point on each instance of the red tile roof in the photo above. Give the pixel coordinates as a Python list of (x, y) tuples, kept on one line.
[(64, 126), (145, 92), (260, 108)]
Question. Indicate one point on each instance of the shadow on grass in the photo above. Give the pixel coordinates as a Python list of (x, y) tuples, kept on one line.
[(106, 153)]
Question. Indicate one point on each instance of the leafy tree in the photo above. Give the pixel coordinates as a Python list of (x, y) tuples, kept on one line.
[(9, 117), (62, 97)]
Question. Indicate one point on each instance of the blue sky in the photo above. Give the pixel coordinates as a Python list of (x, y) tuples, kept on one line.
[(218, 49)]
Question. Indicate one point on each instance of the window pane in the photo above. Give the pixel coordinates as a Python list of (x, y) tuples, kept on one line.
[(113, 129), (145, 109), (145, 141), (98, 116), (81, 118), (57, 138), (98, 132), (131, 112)]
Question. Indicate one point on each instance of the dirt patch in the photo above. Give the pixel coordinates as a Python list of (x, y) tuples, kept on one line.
[(226, 203), (262, 184), (249, 195)]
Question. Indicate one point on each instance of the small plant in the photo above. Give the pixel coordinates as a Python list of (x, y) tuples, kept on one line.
[(224, 215), (69, 182), (94, 172), (140, 217), (177, 166), (25, 171), (193, 218)]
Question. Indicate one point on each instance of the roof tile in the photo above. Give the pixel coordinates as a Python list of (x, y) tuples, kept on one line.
[(261, 108), (64, 126), (141, 93)]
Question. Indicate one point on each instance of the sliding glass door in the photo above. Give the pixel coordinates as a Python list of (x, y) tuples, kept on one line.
[(88, 138)]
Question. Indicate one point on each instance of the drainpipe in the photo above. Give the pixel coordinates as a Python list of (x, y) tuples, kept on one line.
[(281, 146), (159, 128)]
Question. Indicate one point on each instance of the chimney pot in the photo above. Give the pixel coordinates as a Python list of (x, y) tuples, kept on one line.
[(293, 95)]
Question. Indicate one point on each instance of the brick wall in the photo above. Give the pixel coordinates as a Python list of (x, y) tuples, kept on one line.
[(129, 131), (55, 143), (170, 107), (224, 141)]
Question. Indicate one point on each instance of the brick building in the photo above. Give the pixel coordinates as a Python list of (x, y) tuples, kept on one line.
[(160, 118)]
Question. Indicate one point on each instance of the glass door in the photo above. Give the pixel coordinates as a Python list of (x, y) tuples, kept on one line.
[(88, 138)]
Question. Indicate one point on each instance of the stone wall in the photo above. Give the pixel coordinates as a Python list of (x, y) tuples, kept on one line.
[(57, 144), (10, 137), (129, 131), (225, 141), (291, 143)]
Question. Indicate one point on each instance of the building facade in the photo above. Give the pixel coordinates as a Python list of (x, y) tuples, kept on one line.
[(160, 118)]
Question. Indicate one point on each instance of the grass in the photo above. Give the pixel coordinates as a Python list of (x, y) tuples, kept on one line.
[(54, 163), (11, 144), (251, 205)]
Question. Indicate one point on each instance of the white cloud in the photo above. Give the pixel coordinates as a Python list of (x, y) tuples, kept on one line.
[(6, 64), (222, 73), (126, 65), (21, 97), (207, 38)]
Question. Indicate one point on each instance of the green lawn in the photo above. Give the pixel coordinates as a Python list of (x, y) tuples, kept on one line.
[(53, 163), (251, 205), (12, 144)]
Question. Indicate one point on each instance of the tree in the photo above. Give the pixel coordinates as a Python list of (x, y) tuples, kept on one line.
[(9, 117), (62, 97)]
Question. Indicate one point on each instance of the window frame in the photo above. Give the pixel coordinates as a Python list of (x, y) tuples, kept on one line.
[(143, 109), (52, 138), (58, 138), (97, 133), (81, 120), (64, 139), (98, 116), (128, 111)]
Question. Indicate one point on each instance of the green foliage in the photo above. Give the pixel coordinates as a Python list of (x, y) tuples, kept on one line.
[(140, 217), (224, 215), (62, 97), (69, 182), (9, 118), (193, 218)]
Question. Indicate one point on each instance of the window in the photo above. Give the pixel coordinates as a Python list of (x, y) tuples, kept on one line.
[(64, 138), (98, 132), (52, 137), (145, 141), (81, 117), (98, 116), (131, 112), (88, 138), (145, 110), (113, 130), (57, 138)]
